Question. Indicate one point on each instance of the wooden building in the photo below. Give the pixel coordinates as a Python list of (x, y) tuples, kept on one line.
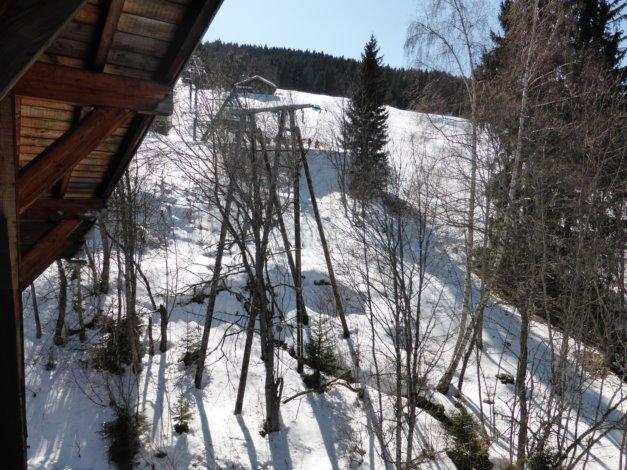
[(80, 83), (257, 85)]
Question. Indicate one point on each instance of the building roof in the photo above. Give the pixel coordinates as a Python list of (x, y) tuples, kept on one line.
[(255, 78), (83, 102)]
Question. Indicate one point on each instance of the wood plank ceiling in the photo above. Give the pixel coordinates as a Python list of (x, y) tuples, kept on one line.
[(83, 108)]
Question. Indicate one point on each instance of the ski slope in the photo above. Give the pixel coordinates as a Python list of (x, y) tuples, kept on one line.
[(67, 406)]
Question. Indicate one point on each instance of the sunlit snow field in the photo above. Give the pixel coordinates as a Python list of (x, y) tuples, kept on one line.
[(68, 405)]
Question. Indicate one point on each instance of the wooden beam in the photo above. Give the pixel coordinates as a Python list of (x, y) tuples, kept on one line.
[(13, 411), (49, 248), (106, 36), (62, 209), (199, 15), (197, 19), (101, 52), (41, 173), (27, 28), (89, 88), (132, 140)]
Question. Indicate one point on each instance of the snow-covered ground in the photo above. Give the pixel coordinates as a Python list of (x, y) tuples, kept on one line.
[(67, 405)]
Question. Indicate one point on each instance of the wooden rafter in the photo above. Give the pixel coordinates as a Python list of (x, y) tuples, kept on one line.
[(197, 20), (41, 173), (60, 209), (88, 88), (49, 248), (107, 32), (106, 37), (29, 26), (189, 33)]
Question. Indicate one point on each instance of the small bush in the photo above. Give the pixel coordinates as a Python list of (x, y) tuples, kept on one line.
[(182, 415), (468, 451), (320, 351), (115, 349), (313, 381), (51, 363), (191, 357), (593, 363), (124, 434), (505, 378), (162, 125), (543, 458)]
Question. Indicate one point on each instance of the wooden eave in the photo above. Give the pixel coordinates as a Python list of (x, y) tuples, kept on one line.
[(84, 97)]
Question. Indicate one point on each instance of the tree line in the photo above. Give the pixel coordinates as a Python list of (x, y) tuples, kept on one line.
[(317, 72)]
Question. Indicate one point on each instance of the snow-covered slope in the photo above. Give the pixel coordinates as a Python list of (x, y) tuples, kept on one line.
[(67, 405)]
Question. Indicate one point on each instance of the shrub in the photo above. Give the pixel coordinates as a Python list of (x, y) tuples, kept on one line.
[(543, 458), (505, 378), (124, 434), (51, 363), (162, 125), (191, 357), (115, 350), (469, 450), (313, 381), (182, 415), (320, 351)]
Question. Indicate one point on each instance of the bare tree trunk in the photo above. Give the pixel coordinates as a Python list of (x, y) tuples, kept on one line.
[(128, 227), (163, 316), (241, 389), (521, 389), (295, 266), (58, 330), (323, 240), (464, 332), (398, 405), (213, 293), (95, 285), (35, 311), (151, 343), (118, 284), (106, 256), (77, 300)]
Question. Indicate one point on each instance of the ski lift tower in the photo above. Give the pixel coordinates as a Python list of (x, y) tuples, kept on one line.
[(296, 148)]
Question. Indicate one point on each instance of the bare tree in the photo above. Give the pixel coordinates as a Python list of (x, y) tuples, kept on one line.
[(33, 296), (456, 31), (62, 306)]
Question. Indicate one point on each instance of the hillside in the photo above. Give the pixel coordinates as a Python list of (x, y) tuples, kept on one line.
[(316, 72), (68, 400)]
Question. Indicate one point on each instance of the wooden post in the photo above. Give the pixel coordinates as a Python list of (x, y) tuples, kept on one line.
[(13, 414), (323, 240), (294, 270), (298, 280)]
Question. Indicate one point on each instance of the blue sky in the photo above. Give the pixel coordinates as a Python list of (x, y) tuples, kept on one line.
[(337, 27)]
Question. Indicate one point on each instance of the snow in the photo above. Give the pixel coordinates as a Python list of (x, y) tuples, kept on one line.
[(67, 406)]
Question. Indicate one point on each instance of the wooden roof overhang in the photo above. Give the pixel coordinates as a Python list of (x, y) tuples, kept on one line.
[(83, 103), (80, 83)]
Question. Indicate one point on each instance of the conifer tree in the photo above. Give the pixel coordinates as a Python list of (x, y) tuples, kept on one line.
[(598, 31), (320, 352), (364, 133)]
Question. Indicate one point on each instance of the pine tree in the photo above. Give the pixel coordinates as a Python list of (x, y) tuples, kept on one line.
[(598, 31), (320, 353), (364, 133)]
